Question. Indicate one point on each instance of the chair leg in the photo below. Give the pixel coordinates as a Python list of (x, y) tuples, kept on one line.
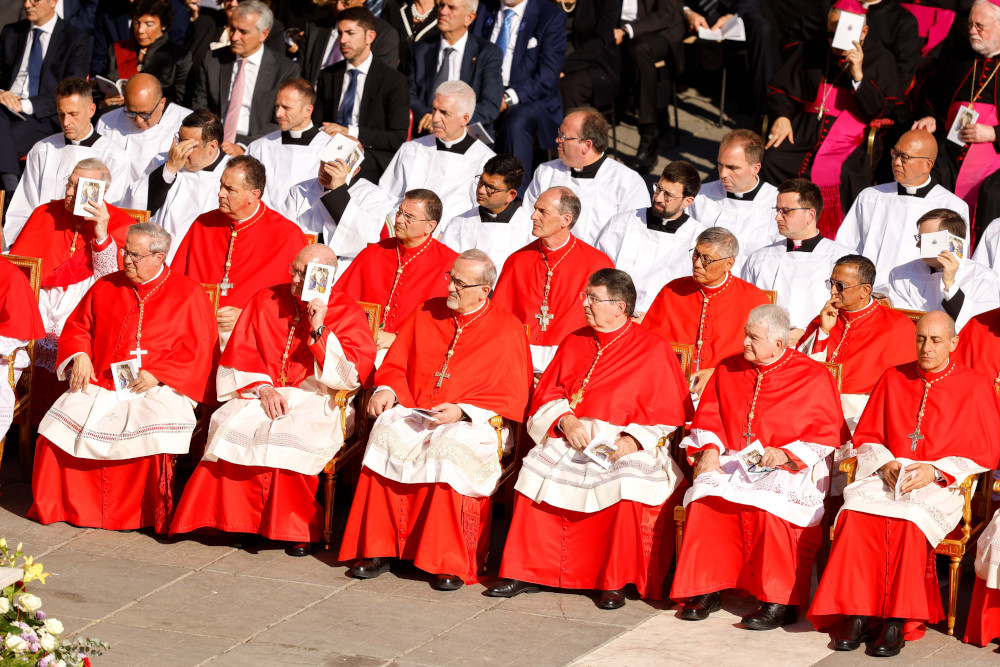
[(954, 574), (680, 537), (329, 486)]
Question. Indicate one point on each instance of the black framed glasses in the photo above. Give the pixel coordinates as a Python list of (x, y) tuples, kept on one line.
[(785, 210), (459, 285), (905, 157), (657, 190), (490, 190), (145, 115), (705, 260)]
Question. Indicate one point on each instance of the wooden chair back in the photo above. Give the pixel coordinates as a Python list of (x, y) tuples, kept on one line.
[(836, 370), (32, 268), (311, 238), (136, 214), (213, 295), (772, 296), (914, 315), (373, 312), (685, 356)]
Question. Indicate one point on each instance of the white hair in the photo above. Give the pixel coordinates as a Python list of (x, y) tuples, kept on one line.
[(775, 318), (93, 164), (487, 269), (461, 93), (159, 238), (265, 17), (995, 8)]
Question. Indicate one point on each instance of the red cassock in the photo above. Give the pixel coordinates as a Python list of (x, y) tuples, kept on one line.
[(677, 310), (55, 234), (275, 503), (371, 275), (441, 530), (179, 334), (522, 283), (979, 344), (882, 566), (266, 243), (742, 546), (19, 316), (878, 338), (637, 381)]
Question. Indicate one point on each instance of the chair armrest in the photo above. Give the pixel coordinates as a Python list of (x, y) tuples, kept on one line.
[(341, 399), (496, 421), (849, 466), (967, 498)]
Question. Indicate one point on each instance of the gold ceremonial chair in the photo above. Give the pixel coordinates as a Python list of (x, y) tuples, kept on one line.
[(685, 357), (32, 268), (136, 214), (201, 411), (772, 296), (311, 238), (914, 315), (213, 295)]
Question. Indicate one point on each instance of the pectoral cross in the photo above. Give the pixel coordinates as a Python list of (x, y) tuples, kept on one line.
[(441, 376), (282, 379), (225, 286), (749, 434), (914, 437), (543, 317), (137, 353)]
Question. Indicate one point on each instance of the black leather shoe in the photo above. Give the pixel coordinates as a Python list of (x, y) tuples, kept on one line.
[(646, 156), (891, 641), (447, 582), (369, 568), (245, 540), (700, 606), (770, 615), (612, 600), (299, 550), (508, 588), (855, 631)]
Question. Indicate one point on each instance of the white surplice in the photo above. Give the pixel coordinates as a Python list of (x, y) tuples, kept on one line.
[(499, 236), (612, 190), (988, 246), (452, 176), (142, 147), (798, 277), (641, 246), (988, 553), (287, 166), (7, 397), (46, 170), (750, 218), (881, 225), (912, 286)]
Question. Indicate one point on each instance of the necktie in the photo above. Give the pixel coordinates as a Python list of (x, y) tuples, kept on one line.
[(347, 104), (445, 69), (709, 10), (335, 55), (35, 58), (375, 6), (235, 103), (504, 37)]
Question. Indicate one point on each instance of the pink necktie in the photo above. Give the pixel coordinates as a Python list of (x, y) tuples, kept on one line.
[(235, 103)]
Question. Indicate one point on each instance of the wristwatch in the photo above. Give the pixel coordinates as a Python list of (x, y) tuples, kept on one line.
[(318, 333), (507, 99)]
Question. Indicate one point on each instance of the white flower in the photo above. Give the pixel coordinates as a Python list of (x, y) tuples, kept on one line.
[(15, 643), (4, 605), (61, 663), (53, 626), (28, 602), (47, 641)]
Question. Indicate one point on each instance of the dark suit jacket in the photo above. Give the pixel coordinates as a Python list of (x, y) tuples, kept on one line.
[(214, 80), (534, 72), (385, 47), (663, 19), (68, 54), (80, 14), (592, 46), (168, 62), (208, 27), (383, 118), (112, 25), (481, 64)]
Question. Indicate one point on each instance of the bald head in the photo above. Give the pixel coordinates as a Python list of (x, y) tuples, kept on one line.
[(936, 340), (317, 252), (144, 97), (919, 142), (915, 154)]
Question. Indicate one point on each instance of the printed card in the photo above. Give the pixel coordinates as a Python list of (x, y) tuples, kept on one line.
[(897, 491), (933, 244), (343, 148), (599, 450), (318, 281), (848, 31), (124, 373), (965, 116), (750, 459), (88, 191)]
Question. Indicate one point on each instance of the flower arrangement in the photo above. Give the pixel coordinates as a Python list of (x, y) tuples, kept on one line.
[(29, 638)]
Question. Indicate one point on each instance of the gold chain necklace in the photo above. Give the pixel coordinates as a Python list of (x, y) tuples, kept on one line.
[(917, 435), (76, 235), (700, 342), (443, 374), (972, 83), (543, 315), (847, 327), (756, 391), (400, 265), (225, 285), (283, 377), (578, 395), (138, 351)]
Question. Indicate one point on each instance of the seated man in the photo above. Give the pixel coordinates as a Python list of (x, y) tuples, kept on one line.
[(605, 187), (572, 516), (857, 332), (822, 100), (278, 390), (103, 462), (145, 125), (740, 200), (757, 527), (913, 456), (51, 160), (796, 266), (652, 245), (20, 323), (881, 221), (401, 272), (243, 246), (499, 224), (531, 287), (445, 161), (424, 491), (954, 283), (708, 308), (185, 183)]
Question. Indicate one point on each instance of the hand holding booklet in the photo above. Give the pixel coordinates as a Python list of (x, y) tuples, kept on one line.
[(751, 459), (734, 30), (342, 147), (897, 491), (599, 450)]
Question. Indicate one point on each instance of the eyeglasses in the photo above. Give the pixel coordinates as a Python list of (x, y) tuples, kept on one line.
[(295, 273), (459, 285), (409, 217), (785, 210), (903, 157), (490, 190), (145, 115), (136, 257), (705, 260), (657, 190), (839, 286), (588, 298), (562, 137), (978, 27)]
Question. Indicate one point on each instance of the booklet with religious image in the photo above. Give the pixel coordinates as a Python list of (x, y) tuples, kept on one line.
[(750, 460), (897, 491), (933, 244), (965, 116), (110, 88), (88, 191), (124, 373), (848, 31), (318, 281), (344, 148), (477, 131), (599, 450)]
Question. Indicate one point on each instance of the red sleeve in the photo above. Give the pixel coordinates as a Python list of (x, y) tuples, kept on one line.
[(792, 459)]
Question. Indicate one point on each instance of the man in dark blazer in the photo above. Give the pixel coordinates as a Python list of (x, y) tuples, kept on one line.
[(221, 76), (531, 35), (320, 47), (64, 52), (458, 55), (379, 116)]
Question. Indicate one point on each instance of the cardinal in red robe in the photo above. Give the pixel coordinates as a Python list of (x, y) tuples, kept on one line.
[(577, 524), (708, 309), (424, 491), (20, 323), (541, 282), (927, 427), (283, 366), (243, 246), (401, 273), (103, 453)]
